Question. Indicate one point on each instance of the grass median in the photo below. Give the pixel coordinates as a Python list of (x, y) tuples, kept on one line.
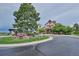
[(12, 40)]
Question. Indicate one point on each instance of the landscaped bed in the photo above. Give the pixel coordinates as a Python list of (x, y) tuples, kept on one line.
[(12, 40)]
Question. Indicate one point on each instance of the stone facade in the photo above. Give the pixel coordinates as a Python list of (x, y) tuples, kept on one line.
[(49, 25)]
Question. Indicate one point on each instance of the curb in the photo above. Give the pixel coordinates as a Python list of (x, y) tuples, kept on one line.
[(26, 44), (72, 36)]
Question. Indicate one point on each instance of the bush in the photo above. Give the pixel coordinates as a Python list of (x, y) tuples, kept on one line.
[(40, 30), (76, 32), (29, 33), (3, 33), (61, 29)]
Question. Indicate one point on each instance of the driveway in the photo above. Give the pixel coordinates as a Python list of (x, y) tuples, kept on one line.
[(59, 46)]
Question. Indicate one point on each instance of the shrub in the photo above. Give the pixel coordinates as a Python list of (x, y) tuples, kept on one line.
[(76, 32), (29, 33), (40, 30)]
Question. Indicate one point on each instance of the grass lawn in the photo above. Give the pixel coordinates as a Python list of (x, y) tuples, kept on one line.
[(11, 40)]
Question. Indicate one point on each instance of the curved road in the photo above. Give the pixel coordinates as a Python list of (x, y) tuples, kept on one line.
[(59, 46)]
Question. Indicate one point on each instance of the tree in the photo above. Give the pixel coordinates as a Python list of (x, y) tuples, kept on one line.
[(61, 29), (58, 28), (40, 30), (67, 30), (76, 27), (26, 18)]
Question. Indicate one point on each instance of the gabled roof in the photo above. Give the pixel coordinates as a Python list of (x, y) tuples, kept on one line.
[(50, 21)]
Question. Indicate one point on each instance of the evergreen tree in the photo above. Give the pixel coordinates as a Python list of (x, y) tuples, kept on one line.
[(26, 18)]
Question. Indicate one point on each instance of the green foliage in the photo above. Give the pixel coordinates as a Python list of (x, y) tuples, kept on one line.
[(40, 30), (11, 40), (61, 29), (26, 18), (76, 32), (3, 34), (29, 33), (58, 28), (76, 27), (67, 30)]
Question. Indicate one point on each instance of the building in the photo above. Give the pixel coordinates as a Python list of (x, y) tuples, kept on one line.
[(49, 25), (13, 31)]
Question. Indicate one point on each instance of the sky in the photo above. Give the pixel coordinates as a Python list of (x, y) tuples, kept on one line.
[(67, 14)]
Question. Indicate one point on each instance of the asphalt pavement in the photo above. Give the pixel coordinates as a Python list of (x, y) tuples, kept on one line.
[(59, 46)]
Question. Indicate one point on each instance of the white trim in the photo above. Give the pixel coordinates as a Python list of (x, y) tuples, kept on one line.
[(25, 44)]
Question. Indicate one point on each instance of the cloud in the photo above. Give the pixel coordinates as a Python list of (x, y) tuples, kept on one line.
[(63, 13), (59, 12), (6, 14)]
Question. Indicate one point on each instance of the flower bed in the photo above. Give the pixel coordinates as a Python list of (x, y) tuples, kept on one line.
[(12, 40), (21, 35)]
